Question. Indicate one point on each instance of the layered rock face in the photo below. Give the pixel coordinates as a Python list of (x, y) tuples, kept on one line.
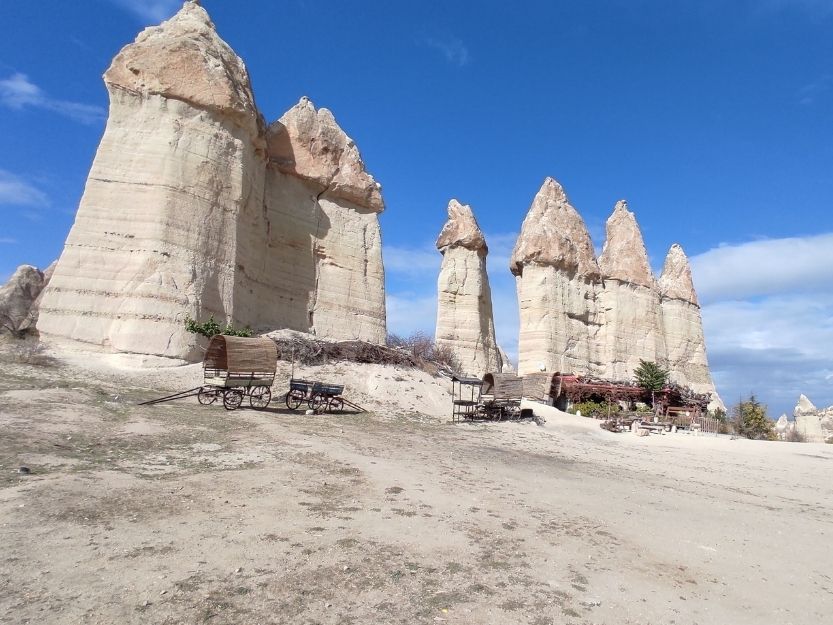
[(18, 298), (814, 425), (558, 280), (629, 302), (465, 323), (601, 318), (324, 238), (685, 343), (155, 236), (183, 214)]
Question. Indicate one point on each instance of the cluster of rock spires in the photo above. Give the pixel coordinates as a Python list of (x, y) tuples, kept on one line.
[(578, 314), (195, 207), (813, 425)]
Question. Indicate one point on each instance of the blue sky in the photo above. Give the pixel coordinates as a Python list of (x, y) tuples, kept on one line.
[(713, 118)]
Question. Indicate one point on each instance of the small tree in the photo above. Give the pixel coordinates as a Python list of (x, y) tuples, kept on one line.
[(650, 376), (752, 421)]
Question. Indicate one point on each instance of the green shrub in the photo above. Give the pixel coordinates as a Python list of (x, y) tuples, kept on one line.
[(752, 421), (211, 327), (595, 408)]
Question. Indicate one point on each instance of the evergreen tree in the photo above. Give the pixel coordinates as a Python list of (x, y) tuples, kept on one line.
[(650, 376), (752, 421)]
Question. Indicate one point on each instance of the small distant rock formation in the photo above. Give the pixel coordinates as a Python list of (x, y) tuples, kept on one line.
[(784, 427), (19, 299), (465, 323), (557, 279), (812, 424), (600, 318), (193, 207), (629, 302)]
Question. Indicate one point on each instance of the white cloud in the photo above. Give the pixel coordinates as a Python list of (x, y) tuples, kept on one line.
[(17, 93), (453, 49), (150, 10), (767, 267), (412, 262), (16, 191), (409, 312)]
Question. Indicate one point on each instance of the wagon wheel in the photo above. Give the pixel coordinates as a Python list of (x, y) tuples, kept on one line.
[(318, 402), (232, 398), (336, 404), (207, 396), (294, 399), (260, 397)]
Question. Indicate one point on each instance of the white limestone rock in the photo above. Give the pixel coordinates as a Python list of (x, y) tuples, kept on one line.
[(813, 424), (465, 323), (685, 343), (507, 367), (192, 209), (319, 268), (629, 303), (558, 279), (804, 407), (18, 297), (156, 233)]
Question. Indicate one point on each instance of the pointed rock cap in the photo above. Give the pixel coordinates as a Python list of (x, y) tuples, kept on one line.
[(675, 281), (308, 143), (804, 407), (461, 230), (185, 59), (554, 234), (624, 256)]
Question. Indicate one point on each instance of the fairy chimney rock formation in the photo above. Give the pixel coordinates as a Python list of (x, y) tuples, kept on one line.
[(685, 343), (465, 324), (814, 425), (557, 278), (323, 256), (185, 214), (629, 303)]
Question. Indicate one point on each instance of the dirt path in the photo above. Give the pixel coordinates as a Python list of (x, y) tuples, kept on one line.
[(186, 514)]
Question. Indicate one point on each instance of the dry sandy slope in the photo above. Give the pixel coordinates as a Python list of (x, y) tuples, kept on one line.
[(188, 514)]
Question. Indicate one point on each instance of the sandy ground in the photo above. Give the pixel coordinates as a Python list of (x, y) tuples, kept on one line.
[(181, 513)]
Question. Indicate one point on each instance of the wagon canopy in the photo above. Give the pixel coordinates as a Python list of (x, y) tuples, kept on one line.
[(542, 386), (238, 355), (503, 386)]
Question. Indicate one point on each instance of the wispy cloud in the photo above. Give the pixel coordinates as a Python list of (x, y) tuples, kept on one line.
[(17, 93), (16, 191), (150, 10), (7, 241), (766, 267), (452, 49), (810, 93)]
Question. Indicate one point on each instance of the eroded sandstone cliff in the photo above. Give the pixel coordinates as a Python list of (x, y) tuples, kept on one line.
[(558, 279), (629, 305), (465, 323), (192, 209)]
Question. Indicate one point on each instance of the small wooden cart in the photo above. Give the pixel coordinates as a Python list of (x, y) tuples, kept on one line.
[(319, 396)]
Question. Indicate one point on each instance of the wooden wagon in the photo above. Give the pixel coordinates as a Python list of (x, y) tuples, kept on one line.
[(236, 367), (319, 396), (500, 396)]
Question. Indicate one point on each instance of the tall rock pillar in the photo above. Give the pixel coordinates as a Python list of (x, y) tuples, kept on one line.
[(629, 303), (558, 278), (465, 323), (683, 326), (156, 233)]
